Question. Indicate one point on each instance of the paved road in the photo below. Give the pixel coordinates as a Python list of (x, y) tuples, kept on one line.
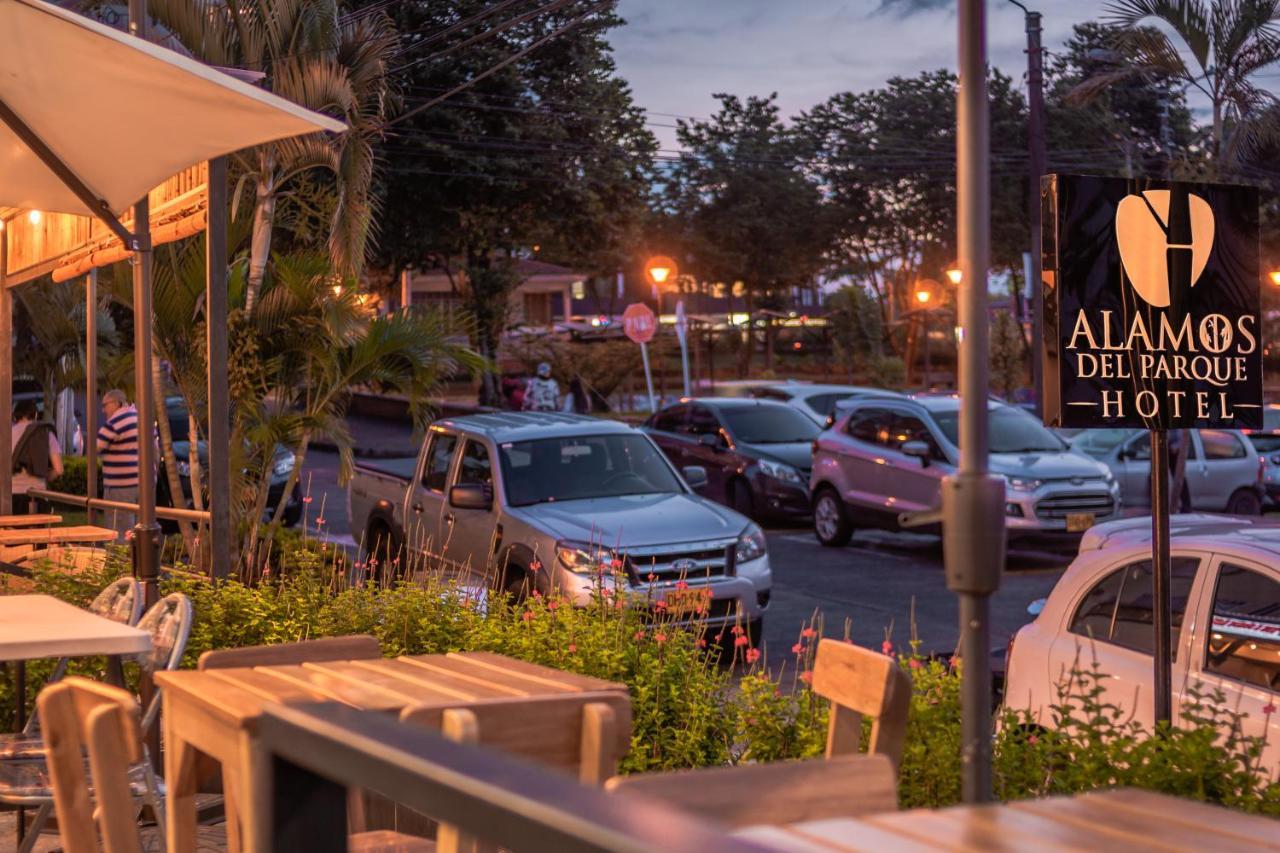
[(871, 584)]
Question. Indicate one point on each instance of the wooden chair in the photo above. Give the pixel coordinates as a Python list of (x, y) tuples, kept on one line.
[(83, 716), (354, 647), (858, 682), (778, 793)]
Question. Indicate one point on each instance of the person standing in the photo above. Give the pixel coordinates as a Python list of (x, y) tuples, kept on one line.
[(542, 394), (36, 455), (118, 450)]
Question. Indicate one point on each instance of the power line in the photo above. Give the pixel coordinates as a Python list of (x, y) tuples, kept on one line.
[(548, 8)]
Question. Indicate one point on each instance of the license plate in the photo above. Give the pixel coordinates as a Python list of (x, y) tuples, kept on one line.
[(684, 602), (1078, 521)]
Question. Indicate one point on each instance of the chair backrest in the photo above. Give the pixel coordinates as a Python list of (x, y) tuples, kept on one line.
[(119, 601), (354, 647), (85, 716), (777, 792), (168, 621), (861, 682)]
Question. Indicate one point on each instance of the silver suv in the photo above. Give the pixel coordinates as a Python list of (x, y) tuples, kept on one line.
[(548, 500), (886, 457)]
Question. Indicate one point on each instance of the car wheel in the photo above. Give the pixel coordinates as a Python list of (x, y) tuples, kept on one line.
[(830, 521), (381, 552), (516, 583), (740, 497), (1245, 502)]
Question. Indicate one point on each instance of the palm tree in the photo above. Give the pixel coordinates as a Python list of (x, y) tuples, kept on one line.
[(52, 322), (1217, 47), (312, 55)]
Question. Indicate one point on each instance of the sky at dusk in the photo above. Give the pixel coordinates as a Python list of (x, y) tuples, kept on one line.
[(676, 53)]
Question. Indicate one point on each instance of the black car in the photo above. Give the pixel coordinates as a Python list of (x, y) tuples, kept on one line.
[(757, 453)]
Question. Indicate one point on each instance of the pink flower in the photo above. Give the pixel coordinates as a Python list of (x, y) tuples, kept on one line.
[(807, 676), (736, 630), (553, 603), (319, 522), (128, 534), (1269, 709), (639, 635), (535, 566), (615, 563), (573, 647), (660, 637), (808, 633), (742, 641), (527, 616), (702, 642), (752, 655), (915, 663), (797, 649), (618, 605), (681, 585), (660, 606), (1033, 739), (307, 499), (886, 647), (652, 577)]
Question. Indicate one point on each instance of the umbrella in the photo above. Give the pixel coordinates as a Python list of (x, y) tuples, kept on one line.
[(91, 119)]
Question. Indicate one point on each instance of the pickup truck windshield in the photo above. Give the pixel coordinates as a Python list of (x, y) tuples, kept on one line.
[(582, 467)]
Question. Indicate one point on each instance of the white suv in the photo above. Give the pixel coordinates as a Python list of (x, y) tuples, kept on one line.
[(1225, 591), (886, 456)]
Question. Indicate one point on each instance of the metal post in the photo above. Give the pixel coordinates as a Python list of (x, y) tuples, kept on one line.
[(215, 315), (972, 500), (1036, 143), (91, 389), (648, 377), (924, 321), (146, 533), (6, 381), (1163, 651)]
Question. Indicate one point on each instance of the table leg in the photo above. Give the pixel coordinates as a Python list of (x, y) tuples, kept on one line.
[(254, 793), (115, 671), (231, 808), (20, 694), (182, 782)]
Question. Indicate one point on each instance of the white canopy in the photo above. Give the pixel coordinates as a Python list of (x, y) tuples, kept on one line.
[(120, 113)]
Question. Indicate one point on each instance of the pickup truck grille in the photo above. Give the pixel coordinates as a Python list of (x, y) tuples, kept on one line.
[(669, 564), (1059, 506)]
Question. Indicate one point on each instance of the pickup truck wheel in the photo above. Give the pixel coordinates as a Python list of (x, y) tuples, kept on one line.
[(830, 519), (382, 550), (516, 583)]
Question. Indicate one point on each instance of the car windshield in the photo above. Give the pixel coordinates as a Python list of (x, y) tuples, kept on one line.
[(1099, 442), (583, 467), (1009, 430), (768, 424), (1266, 442)]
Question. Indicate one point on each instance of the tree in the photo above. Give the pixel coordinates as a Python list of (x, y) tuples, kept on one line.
[(886, 161), (1008, 364), (314, 56), (548, 151), (753, 212), (1217, 47)]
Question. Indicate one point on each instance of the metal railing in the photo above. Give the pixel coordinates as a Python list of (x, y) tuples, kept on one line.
[(315, 753), (83, 502)]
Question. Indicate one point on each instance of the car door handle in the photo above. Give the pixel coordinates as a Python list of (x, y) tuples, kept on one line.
[(449, 519), (417, 508)]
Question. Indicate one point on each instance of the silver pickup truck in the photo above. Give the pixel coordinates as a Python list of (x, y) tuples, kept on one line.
[(549, 501)]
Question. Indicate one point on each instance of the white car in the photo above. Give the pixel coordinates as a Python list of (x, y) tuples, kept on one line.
[(816, 402), (1225, 591)]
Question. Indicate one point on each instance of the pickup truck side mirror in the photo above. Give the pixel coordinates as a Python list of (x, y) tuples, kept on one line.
[(712, 439), (695, 476), (470, 496), (919, 450)]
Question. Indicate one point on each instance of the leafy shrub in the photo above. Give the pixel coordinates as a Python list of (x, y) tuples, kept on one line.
[(689, 709), (74, 479)]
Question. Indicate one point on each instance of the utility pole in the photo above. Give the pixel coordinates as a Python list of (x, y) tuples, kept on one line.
[(1036, 167)]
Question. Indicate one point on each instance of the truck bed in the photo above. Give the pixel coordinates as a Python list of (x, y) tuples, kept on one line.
[(373, 482)]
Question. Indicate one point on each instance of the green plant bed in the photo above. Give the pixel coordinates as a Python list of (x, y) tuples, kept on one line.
[(689, 708)]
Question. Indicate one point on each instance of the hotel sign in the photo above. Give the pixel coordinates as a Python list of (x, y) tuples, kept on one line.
[(1152, 309)]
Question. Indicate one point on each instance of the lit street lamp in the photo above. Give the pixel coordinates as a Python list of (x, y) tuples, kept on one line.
[(924, 295), (659, 270), (954, 275), (1275, 277)]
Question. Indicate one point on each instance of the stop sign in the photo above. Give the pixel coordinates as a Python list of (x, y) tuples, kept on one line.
[(639, 322)]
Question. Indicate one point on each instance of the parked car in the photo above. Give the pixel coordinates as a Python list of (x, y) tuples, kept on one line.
[(1225, 594), (1223, 471), (1267, 442), (543, 500), (887, 456), (756, 453), (816, 402)]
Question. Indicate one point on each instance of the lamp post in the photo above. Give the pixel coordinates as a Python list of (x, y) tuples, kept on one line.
[(923, 297), (659, 270)]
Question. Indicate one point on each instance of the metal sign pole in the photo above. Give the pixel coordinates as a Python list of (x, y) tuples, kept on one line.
[(648, 377), (1160, 573), (682, 332)]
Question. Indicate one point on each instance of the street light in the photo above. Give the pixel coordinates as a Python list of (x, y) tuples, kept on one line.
[(954, 275), (1275, 277), (923, 296), (659, 270)]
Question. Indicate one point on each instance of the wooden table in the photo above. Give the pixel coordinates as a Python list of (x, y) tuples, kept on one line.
[(215, 713), (55, 535), (28, 520), (1125, 820)]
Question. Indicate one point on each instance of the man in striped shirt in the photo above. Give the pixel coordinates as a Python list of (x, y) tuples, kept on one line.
[(118, 450)]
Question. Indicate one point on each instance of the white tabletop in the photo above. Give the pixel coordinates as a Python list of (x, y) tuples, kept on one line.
[(41, 626)]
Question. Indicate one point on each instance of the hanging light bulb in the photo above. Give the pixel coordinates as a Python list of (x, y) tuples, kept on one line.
[(34, 217)]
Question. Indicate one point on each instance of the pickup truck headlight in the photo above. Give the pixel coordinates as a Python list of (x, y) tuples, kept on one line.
[(283, 464), (1023, 484), (778, 471), (583, 557), (751, 544)]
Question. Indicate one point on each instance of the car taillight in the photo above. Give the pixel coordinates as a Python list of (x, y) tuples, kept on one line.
[(1262, 469)]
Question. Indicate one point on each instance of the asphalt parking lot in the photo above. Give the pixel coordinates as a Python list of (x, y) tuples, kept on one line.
[(873, 585)]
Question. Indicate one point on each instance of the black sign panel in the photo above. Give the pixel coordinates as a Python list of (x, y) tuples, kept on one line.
[(1152, 308)]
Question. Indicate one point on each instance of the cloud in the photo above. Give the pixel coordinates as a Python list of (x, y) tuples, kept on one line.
[(906, 8)]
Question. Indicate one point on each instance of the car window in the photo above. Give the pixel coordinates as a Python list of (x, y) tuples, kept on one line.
[(1099, 442), (669, 420), (904, 428), (1245, 641), (870, 425), (703, 421), (768, 424), (583, 468), (824, 404), (770, 394), (436, 472), (1117, 609), (475, 465), (1009, 430), (1140, 448), (1221, 444)]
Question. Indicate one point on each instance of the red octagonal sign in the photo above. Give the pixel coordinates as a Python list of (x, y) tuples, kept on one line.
[(639, 322)]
